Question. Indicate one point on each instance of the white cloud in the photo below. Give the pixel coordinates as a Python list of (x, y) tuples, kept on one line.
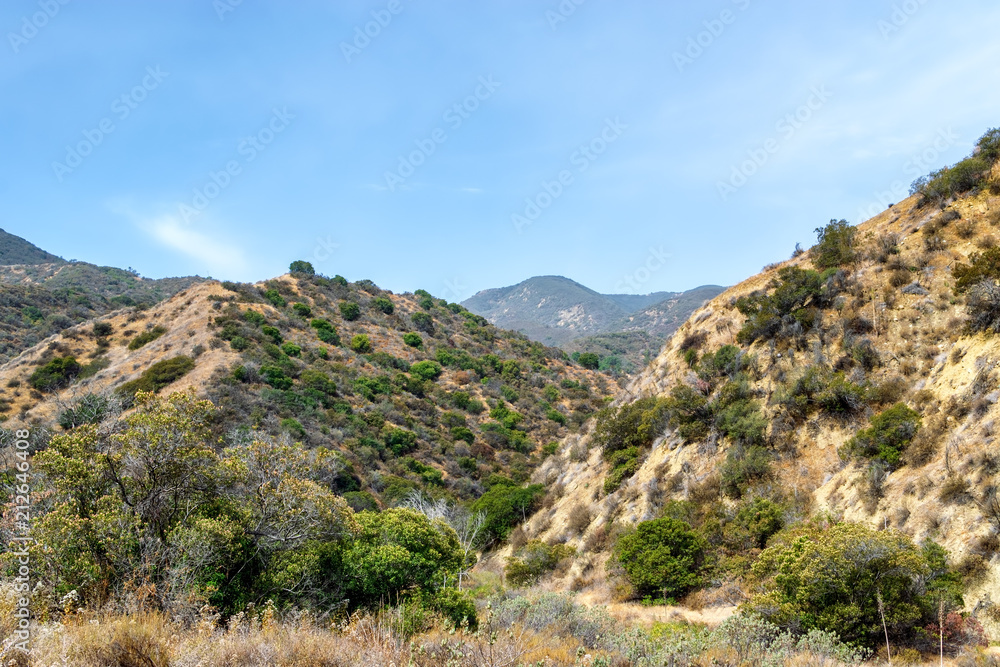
[(220, 257)]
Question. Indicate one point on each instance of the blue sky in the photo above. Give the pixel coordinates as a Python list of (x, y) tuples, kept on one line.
[(633, 146)]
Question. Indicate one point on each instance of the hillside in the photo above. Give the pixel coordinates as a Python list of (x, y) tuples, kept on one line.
[(856, 382), (558, 311), (412, 392), (15, 250)]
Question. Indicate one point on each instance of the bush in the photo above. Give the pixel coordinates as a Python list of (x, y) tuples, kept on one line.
[(91, 409), (361, 344), (400, 441), (457, 608), (835, 246), (300, 266), (383, 304), (889, 434), (239, 343), (349, 310), (253, 317), (792, 306), (291, 349), (273, 333), (983, 307), (159, 375), (275, 376), (829, 579), (534, 560), (943, 184), (146, 337), (413, 339), (743, 468), (57, 373), (423, 322), (661, 557), (426, 370), (103, 329), (302, 310), (293, 427), (505, 507), (325, 331), (589, 360), (274, 298)]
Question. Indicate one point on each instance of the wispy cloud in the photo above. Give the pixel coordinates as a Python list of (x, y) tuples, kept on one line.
[(221, 257)]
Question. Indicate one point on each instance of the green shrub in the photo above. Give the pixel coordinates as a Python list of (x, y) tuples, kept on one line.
[(413, 339), (302, 310), (426, 302), (274, 298), (349, 310), (818, 387), (830, 579), (239, 343), (506, 506), (400, 441), (589, 360), (791, 306), (275, 376), (463, 433), (426, 370), (949, 182), (887, 437), (370, 387), (159, 375), (300, 266), (361, 501), (556, 416), (294, 427), (253, 317), (91, 409), (743, 468), (339, 280), (103, 329), (325, 331), (423, 322), (273, 333), (758, 520), (534, 560), (361, 344), (456, 607), (983, 307), (835, 246), (57, 373), (982, 266), (383, 304), (291, 349), (661, 557), (146, 337)]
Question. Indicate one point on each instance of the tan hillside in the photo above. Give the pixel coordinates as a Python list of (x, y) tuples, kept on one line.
[(927, 360)]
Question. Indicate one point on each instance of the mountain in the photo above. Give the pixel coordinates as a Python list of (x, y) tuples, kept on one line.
[(558, 311), (15, 250), (856, 382)]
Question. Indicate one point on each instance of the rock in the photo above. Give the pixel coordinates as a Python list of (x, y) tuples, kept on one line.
[(915, 288)]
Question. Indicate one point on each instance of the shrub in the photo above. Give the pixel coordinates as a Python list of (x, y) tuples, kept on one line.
[(57, 373), (146, 337), (505, 506), (400, 441), (943, 184), (797, 294), (239, 343), (294, 427), (103, 329), (589, 360), (426, 370), (302, 310), (273, 333), (361, 344), (889, 434), (423, 322), (291, 349), (534, 560), (982, 266), (835, 246), (159, 375), (274, 298), (325, 331), (661, 557), (300, 266), (361, 501), (383, 304), (275, 376), (91, 409), (253, 317), (413, 339), (983, 307), (349, 310), (743, 468), (456, 607), (829, 580)]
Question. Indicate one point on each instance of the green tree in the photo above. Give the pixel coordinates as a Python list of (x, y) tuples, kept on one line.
[(396, 552), (349, 310), (835, 245), (300, 266), (505, 506), (662, 557), (889, 434), (361, 343), (426, 370), (413, 339), (589, 360), (830, 579), (383, 304)]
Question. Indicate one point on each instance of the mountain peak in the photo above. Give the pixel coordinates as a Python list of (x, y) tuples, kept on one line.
[(15, 250)]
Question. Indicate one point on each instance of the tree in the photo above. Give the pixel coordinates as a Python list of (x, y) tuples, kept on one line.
[(835, 245), (383, 304), (830, 579), (505, 506), (890, 432), (350, 311), (466, 523), (300, 266), (398, 550), (589, 360), (426, 370), (663, 556), (361, 343)]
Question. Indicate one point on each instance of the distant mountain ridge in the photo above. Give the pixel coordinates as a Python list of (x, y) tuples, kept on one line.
[(15, 250), (558, 311)]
